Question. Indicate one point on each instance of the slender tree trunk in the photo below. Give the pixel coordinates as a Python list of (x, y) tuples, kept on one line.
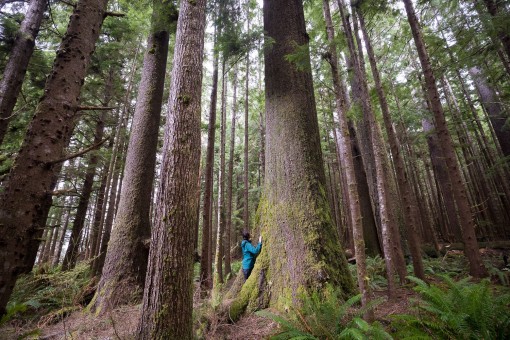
[(118, 156), (230, 176), (95, 234), (476, 266), (345, 154), (168, 299), (16, 68), (408, 200), (388, 236), (206, 258), (79, 218), (246, 212), (56, 258), (25, 201), (220, 244), (123, 274), (301, 247), (495, 111)]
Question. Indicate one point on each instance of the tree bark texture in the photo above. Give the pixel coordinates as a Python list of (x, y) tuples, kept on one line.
[(123, 274), (168, 295), (26, 200), (301, 250), (476, 266), (16, 67)]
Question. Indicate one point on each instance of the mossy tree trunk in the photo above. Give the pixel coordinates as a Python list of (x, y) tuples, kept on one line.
[(168, 295), (123, 274), (26, 199), (301, 251)]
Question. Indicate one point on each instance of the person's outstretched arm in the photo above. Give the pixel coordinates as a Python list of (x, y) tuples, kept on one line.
[(252, 249)]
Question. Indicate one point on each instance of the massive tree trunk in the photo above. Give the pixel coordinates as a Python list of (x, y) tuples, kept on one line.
[(206, 257), (16, 68), (123, 274), (301, 249), (26, 199), (476, 266), (168, 295)]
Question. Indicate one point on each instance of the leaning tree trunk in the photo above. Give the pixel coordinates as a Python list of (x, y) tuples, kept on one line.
[(123, 274), (476, 266), (301, 249), (26, 199), (168, 295), (16, 68)]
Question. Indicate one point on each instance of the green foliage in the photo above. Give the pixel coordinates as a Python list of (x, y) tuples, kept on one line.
[(324, 316), (460, 310), (49, 292), (300, 57), (376, 272)]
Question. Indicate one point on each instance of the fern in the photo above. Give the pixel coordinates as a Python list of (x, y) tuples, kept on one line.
[(323, 316), (461, 310)]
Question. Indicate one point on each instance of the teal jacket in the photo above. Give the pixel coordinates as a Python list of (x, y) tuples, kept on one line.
[(249, 253)]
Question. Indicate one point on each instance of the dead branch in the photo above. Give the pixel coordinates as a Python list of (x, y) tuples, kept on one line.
[(79, 153)]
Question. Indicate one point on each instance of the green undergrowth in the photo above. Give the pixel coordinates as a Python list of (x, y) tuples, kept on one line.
[(456, 310), (50, 295), (446, 309), (376, 272), (325, 316)]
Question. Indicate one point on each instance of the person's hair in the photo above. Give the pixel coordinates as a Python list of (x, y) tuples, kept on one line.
[(246, 235)]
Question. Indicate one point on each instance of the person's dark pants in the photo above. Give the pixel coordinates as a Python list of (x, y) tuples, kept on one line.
[(247, 273)]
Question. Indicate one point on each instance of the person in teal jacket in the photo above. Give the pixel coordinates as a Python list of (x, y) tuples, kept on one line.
[(250, 253)]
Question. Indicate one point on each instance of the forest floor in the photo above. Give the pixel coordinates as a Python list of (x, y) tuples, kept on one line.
[(74, 322), (121, 324)]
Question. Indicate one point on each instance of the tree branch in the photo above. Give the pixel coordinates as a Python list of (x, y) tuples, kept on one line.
[(68, 3), (114, 14), (79, 153), (97, 108)]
